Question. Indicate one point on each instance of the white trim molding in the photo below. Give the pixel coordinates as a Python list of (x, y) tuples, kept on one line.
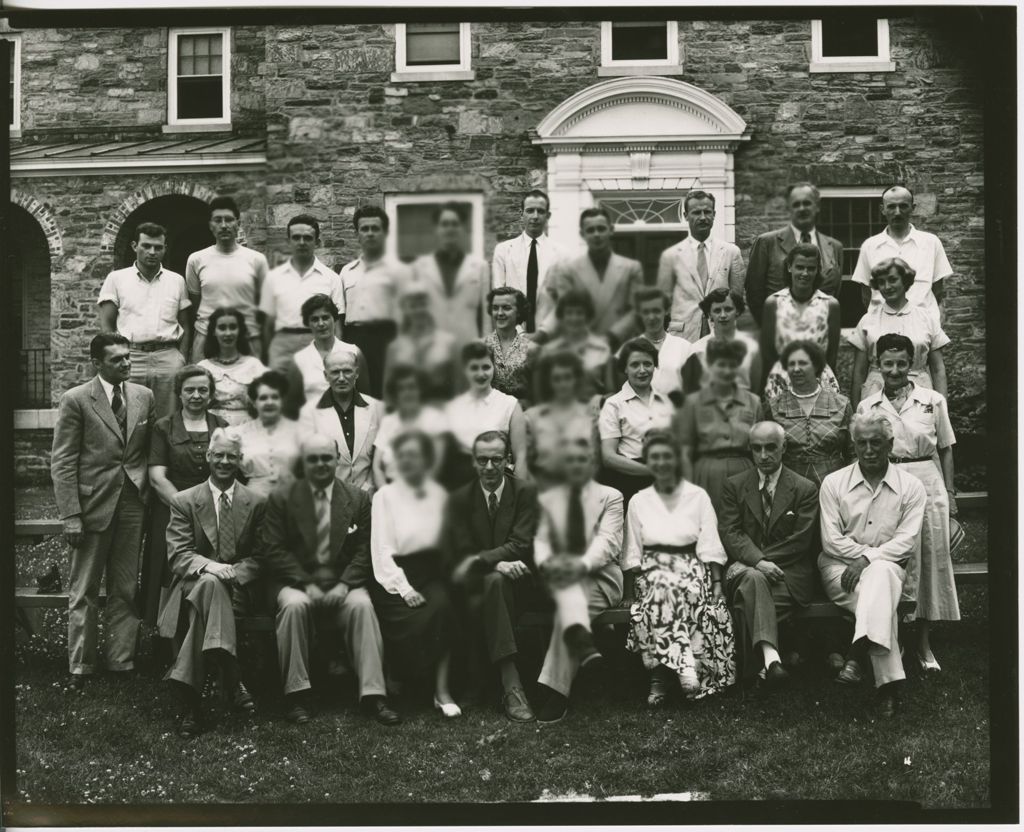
[(15, 39), (880, 62), (462, 71), (851, 191), (670, 65), (35, 419), (474, 198), (172, 78), (99, 166)]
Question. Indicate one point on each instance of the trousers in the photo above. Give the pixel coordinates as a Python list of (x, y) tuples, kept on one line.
[(761, 603), (211, 626), (156, 370)]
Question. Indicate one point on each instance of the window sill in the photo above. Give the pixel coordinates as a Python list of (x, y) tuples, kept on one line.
[(838, 65), (197, 128), (443, 75), (619, 71), (35, 419), (15, 134)]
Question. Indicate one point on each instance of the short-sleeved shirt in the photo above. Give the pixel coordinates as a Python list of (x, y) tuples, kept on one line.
[(285, 290), (628, 418), (372, 289), (912, 320), (469, 415), (700, 350), (226, 280), (708, 425), (920, 426), (147, 310)]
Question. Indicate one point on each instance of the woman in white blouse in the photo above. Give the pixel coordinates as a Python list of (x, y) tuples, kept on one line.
[(679, 622), (404, 390), (270, 442), (723, 308), (230, 361), (652, 313), (412, 603)]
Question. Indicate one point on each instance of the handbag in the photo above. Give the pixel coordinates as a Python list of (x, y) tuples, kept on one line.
[(956, 535)]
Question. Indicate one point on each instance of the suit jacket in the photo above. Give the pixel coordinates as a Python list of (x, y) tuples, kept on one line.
[(192, 543), (678, 278), (509, 538), (90, 458), (603, 524), (765, 271), (792, 528), (464, 313), (355, 467), (612, 295), (288, 542)]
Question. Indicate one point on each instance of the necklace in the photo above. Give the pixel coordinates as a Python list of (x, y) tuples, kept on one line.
[(814, 392), (222, 360), (657, 341)]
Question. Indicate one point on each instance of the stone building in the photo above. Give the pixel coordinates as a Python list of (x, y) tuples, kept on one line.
[(108, 131)]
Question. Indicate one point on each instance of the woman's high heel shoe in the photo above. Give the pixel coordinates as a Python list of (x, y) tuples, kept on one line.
[(928, 665), (448, 709)]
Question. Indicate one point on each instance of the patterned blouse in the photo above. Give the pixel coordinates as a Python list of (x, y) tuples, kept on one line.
[(231, 399), (816, 444), (795, 324), (709, 426), (510, 369)]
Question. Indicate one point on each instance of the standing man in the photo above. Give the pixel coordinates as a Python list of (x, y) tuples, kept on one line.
[(607, 277), (346, 416), (98, 467), (524, 261), (768, 522), (699, 264), (147, 304), (290, 285), (225, 274), (316, 545), (923, 251), (871, 517), (372, 284), (491, 523), (766, 272)]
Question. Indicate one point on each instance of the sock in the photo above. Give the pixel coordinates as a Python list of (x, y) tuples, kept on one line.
[(770, 654)]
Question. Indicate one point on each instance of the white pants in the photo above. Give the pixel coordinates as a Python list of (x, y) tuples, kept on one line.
[(874, 603)]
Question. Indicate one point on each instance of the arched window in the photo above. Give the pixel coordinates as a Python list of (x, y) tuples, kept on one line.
[(184, 217), (30, 292)]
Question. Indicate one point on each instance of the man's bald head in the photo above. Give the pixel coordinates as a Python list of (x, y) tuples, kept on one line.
[(340, 358), (319, 454), (767, 430), (341, 369), (897, 206), (767, 445)]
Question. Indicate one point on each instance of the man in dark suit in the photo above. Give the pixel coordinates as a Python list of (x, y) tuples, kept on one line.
[(98, 467), (768, 522), (211, 543), (490, 525), (765, 272), (316, 545)]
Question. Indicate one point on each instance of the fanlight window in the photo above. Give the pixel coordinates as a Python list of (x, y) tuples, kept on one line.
[(647, 211)]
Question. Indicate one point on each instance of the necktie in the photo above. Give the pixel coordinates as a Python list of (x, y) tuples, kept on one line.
[(225, 530), (531, 287), (805, 236), (492, 505), (323, 526), (120, 411), (576, 536), (702, 273), (766, 507)]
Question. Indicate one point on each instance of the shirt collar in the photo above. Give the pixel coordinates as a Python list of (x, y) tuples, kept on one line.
[(885, 237), (526, 239), (108, 388), (316, 266), (627, 392), (230, 491), (890, 479), (327, 399), (707, 396), (797, 232), (896, 313), (693, 242), (497, 491), (773, 480), (327, 489), (138, 272)]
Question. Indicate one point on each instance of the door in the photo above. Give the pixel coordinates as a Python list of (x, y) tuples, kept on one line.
[(646, 246)]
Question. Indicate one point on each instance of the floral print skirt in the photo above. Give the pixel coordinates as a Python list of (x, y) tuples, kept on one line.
[(676, 622)]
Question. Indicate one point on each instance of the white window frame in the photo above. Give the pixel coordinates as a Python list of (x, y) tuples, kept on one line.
[(15, 39), (435, 72), (670, 65), (175, 124), (882, 62), (392, 202)]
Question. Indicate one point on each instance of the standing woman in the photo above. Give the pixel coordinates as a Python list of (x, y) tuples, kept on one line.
[(515, 353), (404, 395), (230, 361), (412, 604), (177, 460), (801, 311), (421, 344), (920, 427), (815, 419), (713, 426), (653, 314), (575, 315), (270, 442), (679, 622), (627, 417), (893, 277), (722, 308)]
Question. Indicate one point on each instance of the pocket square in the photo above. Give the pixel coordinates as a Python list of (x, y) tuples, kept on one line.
[(789, 514), (353, 529)]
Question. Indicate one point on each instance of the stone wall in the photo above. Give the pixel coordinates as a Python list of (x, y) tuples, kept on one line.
[(32, 456)]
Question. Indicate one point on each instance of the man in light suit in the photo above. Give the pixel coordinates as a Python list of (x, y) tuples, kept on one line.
[(490, 527), (99, 470), (768, 523), (607, 277), (211, 547), (766, 269), (524, 261), (316, 550), (577, 549), (346, 416), (699, 264)]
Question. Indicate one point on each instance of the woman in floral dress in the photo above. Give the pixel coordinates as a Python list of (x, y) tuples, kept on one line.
[(515, 353)]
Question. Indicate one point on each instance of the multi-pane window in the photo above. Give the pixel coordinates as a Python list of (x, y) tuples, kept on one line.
[(412, 222), (432, 48), (648, 43), (198, 83), (14, 82), (851, 220), (850, 41)]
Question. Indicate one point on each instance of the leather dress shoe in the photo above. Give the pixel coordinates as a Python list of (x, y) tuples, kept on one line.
[(77, 682), (835, 663), (888, 704), (850, 674), (191, 724), (242, 700), (516, 706), (553, 709), (296, 711), (378, 708), (581, 642), (776, 675)]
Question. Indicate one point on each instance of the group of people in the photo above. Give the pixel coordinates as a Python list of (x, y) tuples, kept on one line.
[(417, 452)]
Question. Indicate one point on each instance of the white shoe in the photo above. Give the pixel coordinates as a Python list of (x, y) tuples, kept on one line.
[(448, 709)]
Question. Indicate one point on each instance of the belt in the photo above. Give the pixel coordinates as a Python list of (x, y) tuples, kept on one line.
[(903, 460), (375, 322), (294, 330), (154, 346), (688, 550)]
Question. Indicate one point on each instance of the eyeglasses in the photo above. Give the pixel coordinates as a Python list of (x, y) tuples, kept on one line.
[(496, 461)]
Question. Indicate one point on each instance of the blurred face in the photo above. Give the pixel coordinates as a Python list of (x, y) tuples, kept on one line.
[(597, 234), (116, 364), (652, 315), (480, 372), (303, 239), (663, 463), (450, 230), (411, 464), (724, 312), (267, 403), (489, 461), (416, 309), (872, 449), (149, 251), (371, 236), (700, 216), (319, 460), (801, 370), (723, 371), (577, 463), (804, 273), (766, 447), (575, 320), (407, 395), (563, 383), (803, 208), (639, 370), (224, 225), (226, 331), (321, 323), (503, 311), (223, 457), (341, 373), (895, 367), (890, 285), (196, 394), (897, 207), (535, 215)]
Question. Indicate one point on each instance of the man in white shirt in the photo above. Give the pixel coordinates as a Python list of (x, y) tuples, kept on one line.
[(923, 251), (523, 261), (871, 517), (372, 284), (225, 274), (148, 304), (290, 285)]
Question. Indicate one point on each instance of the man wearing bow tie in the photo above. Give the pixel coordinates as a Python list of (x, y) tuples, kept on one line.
[(768, 523)]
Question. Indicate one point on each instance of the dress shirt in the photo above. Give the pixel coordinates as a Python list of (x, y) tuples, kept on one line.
[(216, 492), (919, 427), (881, 524), (773, 480), (402, 522), (108, 388), (649, 522), (285, 290), (497, 491), (372, 289), (511, 257), (922, 250), (147, 310), (707, 425), (347, 417), (797, 232), (226, 280), (627, 417), (470, 415)]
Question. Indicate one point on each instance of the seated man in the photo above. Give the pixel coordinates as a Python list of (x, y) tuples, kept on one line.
[(769, 517), (316, 541), (211, 538), (491, 523), (577, 548), (871, 515)]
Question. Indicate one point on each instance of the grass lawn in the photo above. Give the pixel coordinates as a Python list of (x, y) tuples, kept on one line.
[(115, 744)]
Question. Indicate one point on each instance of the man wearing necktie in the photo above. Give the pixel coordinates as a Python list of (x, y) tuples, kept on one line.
[(99, 470), (577, 550), (768, 526), (211, 549)]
